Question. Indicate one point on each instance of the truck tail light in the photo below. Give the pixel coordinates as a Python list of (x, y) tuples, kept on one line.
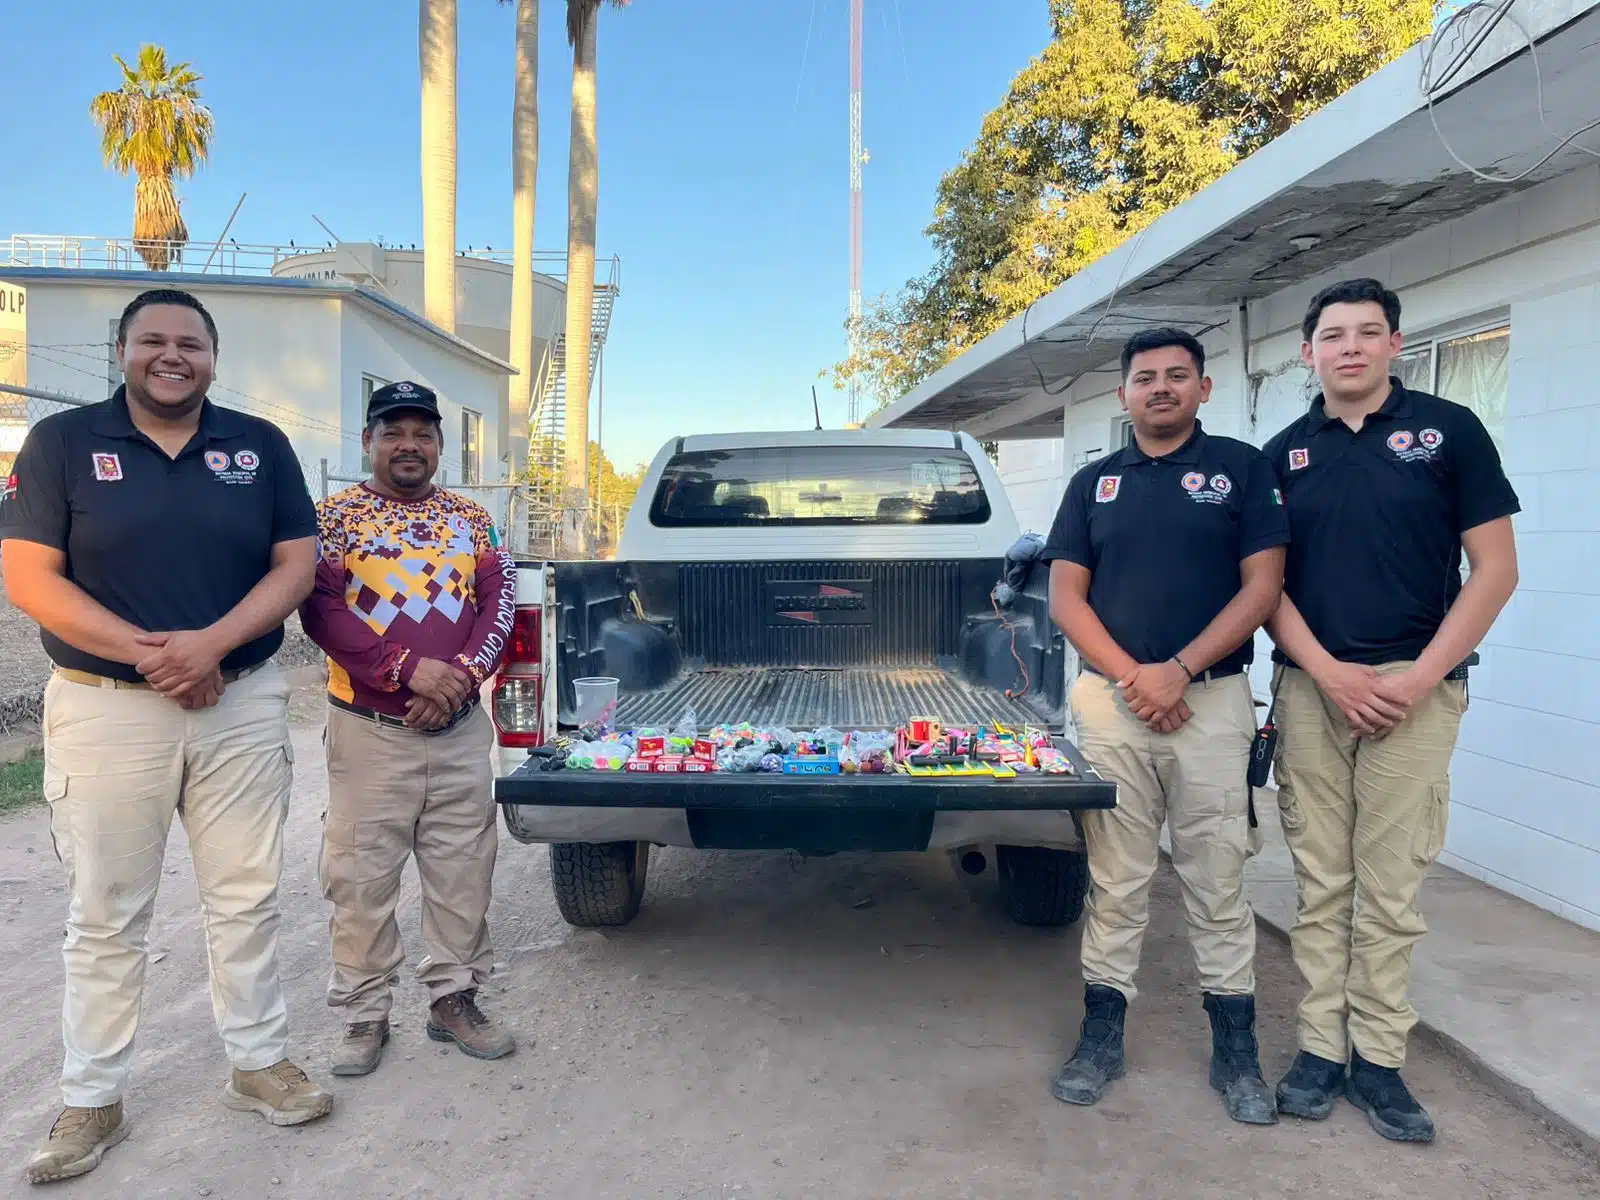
[(518, 698)]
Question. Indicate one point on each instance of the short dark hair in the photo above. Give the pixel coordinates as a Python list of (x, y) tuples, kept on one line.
[(1159, 339), (1352, 291), (164, 296), (392, 414)]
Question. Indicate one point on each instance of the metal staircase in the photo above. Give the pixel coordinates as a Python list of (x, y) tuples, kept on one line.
[(547, 423)]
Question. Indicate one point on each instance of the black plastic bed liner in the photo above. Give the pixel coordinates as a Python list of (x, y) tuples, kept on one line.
[(802, 698)]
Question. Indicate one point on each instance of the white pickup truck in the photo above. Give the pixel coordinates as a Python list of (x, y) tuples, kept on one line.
[(828, 578)]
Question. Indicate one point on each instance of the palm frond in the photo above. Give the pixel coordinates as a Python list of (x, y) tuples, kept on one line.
[(154, 124)]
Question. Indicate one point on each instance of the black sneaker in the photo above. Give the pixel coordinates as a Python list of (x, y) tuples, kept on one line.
[(1311, 1087), (1383, 1096), (1099, 1058), (1236, 1060)]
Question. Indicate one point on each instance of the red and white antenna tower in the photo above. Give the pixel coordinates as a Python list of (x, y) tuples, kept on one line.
[(858, 159)]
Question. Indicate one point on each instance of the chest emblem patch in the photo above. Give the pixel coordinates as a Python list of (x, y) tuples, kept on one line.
[(246, 460), (107, 468), (1193, 481), (1106, 490), (1299, 460), (216, 460), (1221, 484), (1418, 448)]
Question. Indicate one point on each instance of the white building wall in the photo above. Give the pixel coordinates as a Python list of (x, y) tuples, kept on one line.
[(278, 356), (1525, 811)]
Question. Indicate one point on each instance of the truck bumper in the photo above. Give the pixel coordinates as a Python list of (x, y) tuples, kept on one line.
[(1056, 828)]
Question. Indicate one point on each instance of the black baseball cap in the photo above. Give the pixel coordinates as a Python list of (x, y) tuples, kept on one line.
[(404, 396)]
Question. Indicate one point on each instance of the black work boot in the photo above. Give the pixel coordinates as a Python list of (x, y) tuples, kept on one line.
[(1382, 1095), (1236, 1060), (1098, 1059), (1310, 1087)]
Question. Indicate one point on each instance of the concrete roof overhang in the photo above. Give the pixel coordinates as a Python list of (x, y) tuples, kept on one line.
[(1365, 171)]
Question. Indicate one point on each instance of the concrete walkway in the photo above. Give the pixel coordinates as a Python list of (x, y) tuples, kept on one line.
[(1510, 985)]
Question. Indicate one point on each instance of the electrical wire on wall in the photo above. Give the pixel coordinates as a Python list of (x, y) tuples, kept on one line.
[(1434, 80)]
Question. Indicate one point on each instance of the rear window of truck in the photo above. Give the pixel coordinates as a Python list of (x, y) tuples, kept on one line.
[(820, 485)]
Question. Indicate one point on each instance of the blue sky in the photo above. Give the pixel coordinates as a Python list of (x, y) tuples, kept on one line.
[(724, 167)]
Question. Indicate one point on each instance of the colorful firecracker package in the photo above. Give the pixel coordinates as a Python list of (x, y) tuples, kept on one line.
[(669, 763), (651, 743), (641, 764)]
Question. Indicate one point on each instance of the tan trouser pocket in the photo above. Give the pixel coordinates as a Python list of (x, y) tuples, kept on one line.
[(1289, 814), (1428, 841)]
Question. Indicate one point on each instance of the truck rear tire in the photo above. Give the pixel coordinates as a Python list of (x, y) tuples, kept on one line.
[(598, 884), (1041, 886)]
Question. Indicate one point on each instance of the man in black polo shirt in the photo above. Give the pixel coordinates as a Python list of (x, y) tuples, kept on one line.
[(1168, 555), (160, 541), (1384, 488)]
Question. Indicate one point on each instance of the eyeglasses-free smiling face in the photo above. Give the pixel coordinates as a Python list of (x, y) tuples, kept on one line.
[(168, 359), (1351, 350)]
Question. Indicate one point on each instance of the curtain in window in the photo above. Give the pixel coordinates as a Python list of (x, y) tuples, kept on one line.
[(1475, 371), (1415, 370)]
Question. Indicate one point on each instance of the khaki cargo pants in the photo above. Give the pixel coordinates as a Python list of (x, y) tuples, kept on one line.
[(1194, 781), (119, 764), (393, 794), (1364, 819)]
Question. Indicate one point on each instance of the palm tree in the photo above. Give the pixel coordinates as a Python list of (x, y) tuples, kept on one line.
[(437, 45), (524, 182), (583, 199), (155, 126)]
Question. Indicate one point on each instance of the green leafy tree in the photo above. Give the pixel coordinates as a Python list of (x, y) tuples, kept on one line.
[(155, 128), (1133, 107)]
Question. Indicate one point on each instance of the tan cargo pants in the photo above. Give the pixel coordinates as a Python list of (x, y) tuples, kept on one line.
[(1364, 819), (119, 763), (1194, 781), (394, 793)]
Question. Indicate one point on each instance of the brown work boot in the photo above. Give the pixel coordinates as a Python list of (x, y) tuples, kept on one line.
[(78, 1141), (281, 1093), (361, 1048), (457, 1018)]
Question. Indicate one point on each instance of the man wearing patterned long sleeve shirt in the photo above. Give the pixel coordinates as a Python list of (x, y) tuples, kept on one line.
[(413, 603)]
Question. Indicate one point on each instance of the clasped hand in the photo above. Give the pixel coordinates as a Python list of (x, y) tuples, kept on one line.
[(1154, 694), (184, 666), (439, 689), (1373, 704)]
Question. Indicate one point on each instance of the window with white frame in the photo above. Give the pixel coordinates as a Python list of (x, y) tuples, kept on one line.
[(1471, 367), (1124, 432), (471, 447), (369, 384)]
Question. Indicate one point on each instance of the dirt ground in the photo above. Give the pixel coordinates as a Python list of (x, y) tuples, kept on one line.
[(847, 1027)]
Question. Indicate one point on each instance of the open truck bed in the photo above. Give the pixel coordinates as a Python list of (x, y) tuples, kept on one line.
[(807, 697)]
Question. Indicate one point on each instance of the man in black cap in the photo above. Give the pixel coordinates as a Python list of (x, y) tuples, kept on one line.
[(413, 605)]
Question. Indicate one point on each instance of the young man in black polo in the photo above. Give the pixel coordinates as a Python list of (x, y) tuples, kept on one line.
[(1168, 555), (1385, 487), (160, 541)]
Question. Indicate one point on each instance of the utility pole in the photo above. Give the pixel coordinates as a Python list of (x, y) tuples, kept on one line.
[(858, 159)]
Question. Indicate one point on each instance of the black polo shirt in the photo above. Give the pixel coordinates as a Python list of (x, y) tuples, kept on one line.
[(1377, 517), (166, 544), (1163, 537)]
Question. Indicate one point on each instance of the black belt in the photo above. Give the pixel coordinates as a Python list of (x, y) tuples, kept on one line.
[(1205, 676), (393, 722)]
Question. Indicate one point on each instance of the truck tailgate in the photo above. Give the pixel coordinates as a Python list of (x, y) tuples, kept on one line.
[(803, 698), (816, 793)]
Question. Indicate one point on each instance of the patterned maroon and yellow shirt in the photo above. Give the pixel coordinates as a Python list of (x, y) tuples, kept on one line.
[(403, 580)]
